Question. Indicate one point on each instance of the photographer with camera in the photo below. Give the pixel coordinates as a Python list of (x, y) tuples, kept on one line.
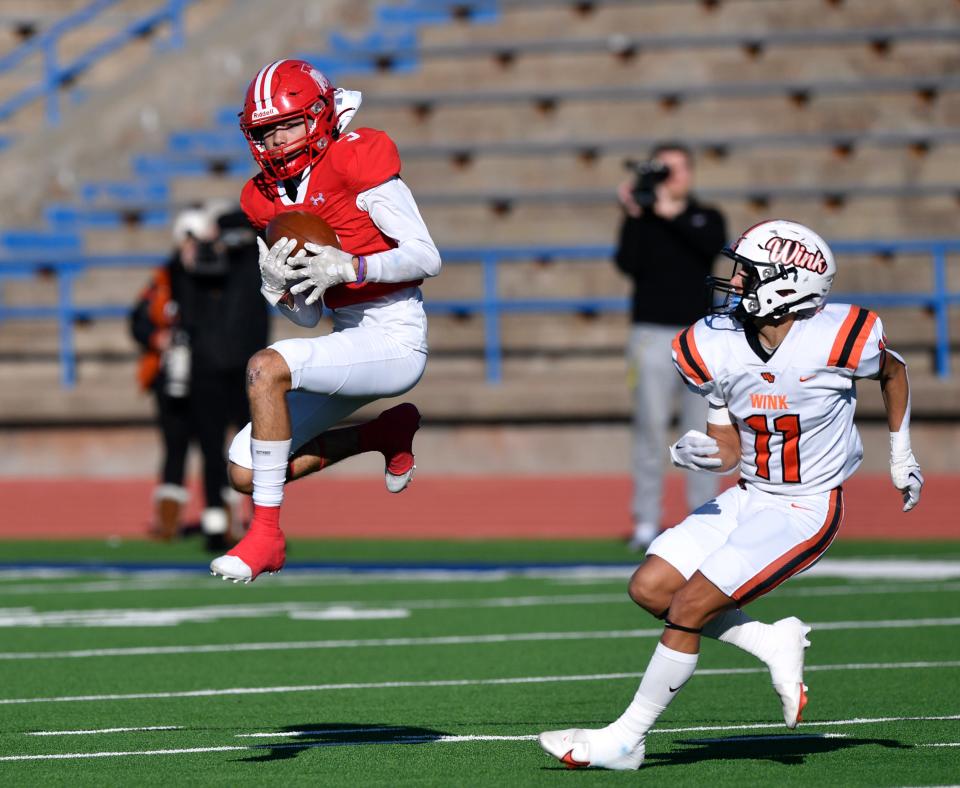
[(668, 242), (198, 322)]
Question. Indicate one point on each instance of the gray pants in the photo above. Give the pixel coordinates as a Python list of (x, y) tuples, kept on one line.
[(657, 390)]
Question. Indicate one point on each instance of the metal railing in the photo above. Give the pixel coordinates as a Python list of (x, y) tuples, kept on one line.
[(66, 311), (489, 304), (57, 75), (938, 299)]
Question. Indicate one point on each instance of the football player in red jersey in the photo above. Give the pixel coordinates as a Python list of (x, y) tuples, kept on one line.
[(294, 121)]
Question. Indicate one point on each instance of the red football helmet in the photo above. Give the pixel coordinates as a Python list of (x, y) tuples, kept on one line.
[(283, 91)]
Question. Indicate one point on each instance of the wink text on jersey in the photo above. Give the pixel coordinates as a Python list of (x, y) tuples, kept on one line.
[(769, 401)]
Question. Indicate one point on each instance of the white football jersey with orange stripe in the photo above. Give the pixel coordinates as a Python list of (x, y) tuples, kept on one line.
[(794, 408)]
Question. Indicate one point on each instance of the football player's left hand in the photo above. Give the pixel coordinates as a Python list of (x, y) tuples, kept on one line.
[(905, 472), (326, 267)]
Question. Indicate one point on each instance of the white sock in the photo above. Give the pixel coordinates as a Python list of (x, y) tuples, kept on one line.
[(269, 470), (738, 629), (667, 672)]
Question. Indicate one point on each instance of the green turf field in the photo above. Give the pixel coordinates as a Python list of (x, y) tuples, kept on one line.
[(444, 678)]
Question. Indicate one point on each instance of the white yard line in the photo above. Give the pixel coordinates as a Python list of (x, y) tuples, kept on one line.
[(217, 648), (942, 744), (106, 730), (846, 568), (163, 617), (201, 693), (61, 756), (819, 723), (327, 732), (906, 587), (783, 737), (891, 623), (38, 573), (443, 640), (453, 739), (886, 568), (195, 580)]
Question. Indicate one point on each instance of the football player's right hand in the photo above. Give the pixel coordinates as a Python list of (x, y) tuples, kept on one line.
[(273, 261), (325, 267), (696, 452), (905, 472)]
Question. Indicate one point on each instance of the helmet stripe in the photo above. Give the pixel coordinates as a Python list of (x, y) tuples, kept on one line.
[(256, 87), (749, 230), (267, 81)]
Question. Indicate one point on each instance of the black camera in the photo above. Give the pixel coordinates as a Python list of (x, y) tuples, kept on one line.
[(211, 259), (234, 235), (649, 174)]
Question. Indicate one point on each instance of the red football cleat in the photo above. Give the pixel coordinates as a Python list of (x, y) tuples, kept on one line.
[(391, 433), (262, 549)]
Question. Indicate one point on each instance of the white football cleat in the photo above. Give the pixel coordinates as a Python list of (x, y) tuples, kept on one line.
[(786, 668), (580, 748), (398, 483), (229, 567)]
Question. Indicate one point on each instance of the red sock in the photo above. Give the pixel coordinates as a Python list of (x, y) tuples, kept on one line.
[(266, 517), (263, 548)]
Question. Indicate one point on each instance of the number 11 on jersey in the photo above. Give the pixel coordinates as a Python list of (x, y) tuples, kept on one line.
[(787, 426)]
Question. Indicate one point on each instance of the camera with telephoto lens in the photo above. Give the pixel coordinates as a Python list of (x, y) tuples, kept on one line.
[(649, 175), (211, 259), (214, 257)]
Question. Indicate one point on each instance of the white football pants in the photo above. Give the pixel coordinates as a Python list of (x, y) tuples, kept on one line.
[(377, 349)]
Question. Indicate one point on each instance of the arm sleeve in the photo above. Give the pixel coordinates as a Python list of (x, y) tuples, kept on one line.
[(392, 208)]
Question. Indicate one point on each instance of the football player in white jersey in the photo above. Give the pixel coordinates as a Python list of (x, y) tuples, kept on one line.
[(778, 368)]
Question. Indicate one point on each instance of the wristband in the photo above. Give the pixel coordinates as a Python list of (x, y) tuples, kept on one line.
[(361, 269), (900, 443), (719, 415)]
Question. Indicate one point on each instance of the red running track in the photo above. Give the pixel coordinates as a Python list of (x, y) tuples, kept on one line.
[(444, 508)]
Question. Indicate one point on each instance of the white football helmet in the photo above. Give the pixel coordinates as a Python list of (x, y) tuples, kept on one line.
[(782, 267)]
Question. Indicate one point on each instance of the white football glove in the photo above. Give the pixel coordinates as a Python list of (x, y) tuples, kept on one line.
[(273, 263), (328, 266), (693, 452), (905, 472)]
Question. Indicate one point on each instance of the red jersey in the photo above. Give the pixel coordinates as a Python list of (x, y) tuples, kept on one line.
[(359, 160)]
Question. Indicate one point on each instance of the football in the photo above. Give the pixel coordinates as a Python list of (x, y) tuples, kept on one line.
[(306, 227)]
